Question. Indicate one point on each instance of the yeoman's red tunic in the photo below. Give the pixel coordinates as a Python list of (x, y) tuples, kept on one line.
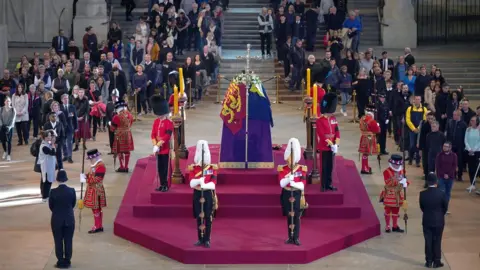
[(368, 141), (123, 140), (392, 194), (95, 197)]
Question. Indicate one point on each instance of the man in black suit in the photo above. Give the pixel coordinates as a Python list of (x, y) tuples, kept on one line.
[(61, 202), (118, 81), (58, 126), (70, 112), (433, 204), (110, 113), (86, 61), (386, 63), (60, 43)]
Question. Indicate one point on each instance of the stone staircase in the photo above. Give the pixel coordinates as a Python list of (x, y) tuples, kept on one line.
[(371, 31)]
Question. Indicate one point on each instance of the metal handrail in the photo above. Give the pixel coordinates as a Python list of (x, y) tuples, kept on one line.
[(60, 19), (380, 17)]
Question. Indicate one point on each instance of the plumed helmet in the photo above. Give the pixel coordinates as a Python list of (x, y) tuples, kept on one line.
[(115, 93), (293, 145), (159, 105), (202, 146), (329, 103)]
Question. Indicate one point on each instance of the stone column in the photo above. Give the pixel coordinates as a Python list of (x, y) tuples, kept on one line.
[(90, 13), (401, 31), (3, 46)]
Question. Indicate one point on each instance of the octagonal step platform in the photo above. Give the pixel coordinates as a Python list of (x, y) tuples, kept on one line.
[(249, 227)]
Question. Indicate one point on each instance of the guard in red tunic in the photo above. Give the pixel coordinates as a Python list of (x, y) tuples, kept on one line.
[(293, 179), (328, 138), (180, 103), (123, 141), (392, 195), (95, 197), (368, 141), (162, 131), (203, 179)]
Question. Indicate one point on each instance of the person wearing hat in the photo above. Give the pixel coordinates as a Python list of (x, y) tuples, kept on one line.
[(434, 205), (203, 180), (123, 141), (369, 128), (62, 202), (95, 197), (392, 194), (162, 131), (293, 179), (110, 113), (383, 114), (328, 138)]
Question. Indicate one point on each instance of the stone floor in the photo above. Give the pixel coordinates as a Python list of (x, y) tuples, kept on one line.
[(28, 244)]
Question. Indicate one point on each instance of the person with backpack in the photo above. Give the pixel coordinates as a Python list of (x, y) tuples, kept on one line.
[(415, 114)]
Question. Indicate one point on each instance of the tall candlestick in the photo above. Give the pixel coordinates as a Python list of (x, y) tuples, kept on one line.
[(180, 79), (308, 82), (315, 99), (175, 100)]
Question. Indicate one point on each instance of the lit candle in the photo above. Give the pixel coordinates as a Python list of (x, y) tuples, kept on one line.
[(180, 79), (175, 100), (308, 82), (315, 98)]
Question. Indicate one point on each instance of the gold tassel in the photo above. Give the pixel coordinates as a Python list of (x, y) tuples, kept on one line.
[(303, 201)]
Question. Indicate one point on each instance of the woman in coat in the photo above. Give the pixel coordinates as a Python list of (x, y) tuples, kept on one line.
[(47, 161), (20, 104), (7, 121)]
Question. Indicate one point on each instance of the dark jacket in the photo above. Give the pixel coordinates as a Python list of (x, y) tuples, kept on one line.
[(421, 83), (71, 121), (119, 82), (456, 133), (401, 103), (81, 67), (46, 110), (466, 116), (425, 128), (59, 128), (433, 204), (298, 30), (441, 104), (61, 202)]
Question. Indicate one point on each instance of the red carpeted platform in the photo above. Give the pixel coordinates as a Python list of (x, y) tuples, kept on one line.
[(249, 228)]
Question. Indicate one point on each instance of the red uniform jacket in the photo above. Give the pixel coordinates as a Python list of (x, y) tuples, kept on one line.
[(162, 130), (95, 197), (368, 141), (299, 173), (123, 140), (170, 102), (392, 194), (327, 128), (209, 172)]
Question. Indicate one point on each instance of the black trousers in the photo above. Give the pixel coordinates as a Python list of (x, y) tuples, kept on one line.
[(142, 102), (287, 208), (22, 131), (96, 124), (208, 207), (162, 169), (472, 165), (63, 238), (181, 37), (45, 188), (59, 155), (150, 92), (397, 130), (327, 168), (382, 137), (433, 243), (111, 137), (129, 7), (361, 108), (460, 163), (286, 67), (425, 164), (265, 41)]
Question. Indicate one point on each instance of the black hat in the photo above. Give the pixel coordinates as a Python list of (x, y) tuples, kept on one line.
[(62, 176), (382, 94), (371, 108), (93, 153), (396, 159), (384, 52), (329, 103), (320, 75), (159, 105), (120, 104), (431, 179), (88, 28)]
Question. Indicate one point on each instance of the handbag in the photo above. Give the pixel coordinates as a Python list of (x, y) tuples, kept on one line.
[(97, 109)]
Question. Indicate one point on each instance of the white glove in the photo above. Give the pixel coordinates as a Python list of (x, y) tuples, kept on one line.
[(155, 149), (83, 178), (109, 123), (386, 122), (297, 185), (404, 182), (202, 180), (90, 102), (290, 177), (334, 148), (194, 183)]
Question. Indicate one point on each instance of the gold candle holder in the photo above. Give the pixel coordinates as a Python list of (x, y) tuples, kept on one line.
[(177, 177)]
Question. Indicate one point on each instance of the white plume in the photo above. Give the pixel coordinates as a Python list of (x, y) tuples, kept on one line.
[(295, 144), (207, 159)]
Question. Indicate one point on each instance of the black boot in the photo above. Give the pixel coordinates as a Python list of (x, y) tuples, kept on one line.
[(289, 241), (297, 242), (207, 244), (397, 229), (76, 148), (70, 160), (198, 243)]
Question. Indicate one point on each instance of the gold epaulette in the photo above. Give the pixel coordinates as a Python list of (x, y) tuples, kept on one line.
[(280, 168), (214, 166), (304, 168), (190, 167)]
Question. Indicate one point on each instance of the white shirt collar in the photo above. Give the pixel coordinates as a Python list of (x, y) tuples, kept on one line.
[(53, 124), (95, 164)]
